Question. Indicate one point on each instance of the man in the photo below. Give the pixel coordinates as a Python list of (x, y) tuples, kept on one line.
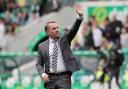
[(2, 35), (113, 60), (94, 35), (55, 62), (113, 30)]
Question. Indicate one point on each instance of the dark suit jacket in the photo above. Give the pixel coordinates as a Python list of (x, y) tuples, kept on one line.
[(43, 61)]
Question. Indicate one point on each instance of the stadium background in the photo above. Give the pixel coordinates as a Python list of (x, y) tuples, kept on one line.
[(22, 29)]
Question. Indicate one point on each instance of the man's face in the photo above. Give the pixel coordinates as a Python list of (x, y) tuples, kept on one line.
[(114, 18), (52, 30), (106, 22)]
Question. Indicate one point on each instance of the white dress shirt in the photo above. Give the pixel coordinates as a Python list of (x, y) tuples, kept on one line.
[(60, 63)]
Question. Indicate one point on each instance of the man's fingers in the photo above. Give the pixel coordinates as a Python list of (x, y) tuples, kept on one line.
[(46, 78), (47, 75), (78, 9)]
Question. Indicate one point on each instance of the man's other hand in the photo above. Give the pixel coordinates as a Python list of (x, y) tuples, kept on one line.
[(45, 78)]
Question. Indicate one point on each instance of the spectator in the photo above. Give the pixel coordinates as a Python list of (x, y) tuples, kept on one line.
[(21, 18), (56, 4), (2, 6), (24, 18), (126, 22), (113, 60), (2, 34), (42, 6), (106, 27), (11, 5), (12, 28), (87, 32), (33, 16), (94, 38), (8, 19), (124, 38), (115, 31), (36, 6), (10, 35)]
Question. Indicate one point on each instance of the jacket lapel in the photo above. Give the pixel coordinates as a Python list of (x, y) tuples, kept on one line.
[(60, 44), (47, 58), (47, 48)]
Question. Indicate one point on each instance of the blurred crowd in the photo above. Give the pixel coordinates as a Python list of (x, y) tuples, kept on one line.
[(96, 35), (16, 13), (107, 38)]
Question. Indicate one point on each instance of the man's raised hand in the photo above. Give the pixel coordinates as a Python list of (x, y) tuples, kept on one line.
[(78, 9)]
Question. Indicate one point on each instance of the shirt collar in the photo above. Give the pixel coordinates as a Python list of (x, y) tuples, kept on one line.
[(51, 40)]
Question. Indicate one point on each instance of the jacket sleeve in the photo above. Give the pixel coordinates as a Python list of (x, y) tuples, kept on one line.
[(40, 63), (74, 29)]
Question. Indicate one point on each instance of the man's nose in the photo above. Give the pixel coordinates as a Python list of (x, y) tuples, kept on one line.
[(57, 30)]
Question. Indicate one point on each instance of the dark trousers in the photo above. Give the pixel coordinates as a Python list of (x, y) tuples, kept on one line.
[(112, 74), (59, 82), (116, 75)]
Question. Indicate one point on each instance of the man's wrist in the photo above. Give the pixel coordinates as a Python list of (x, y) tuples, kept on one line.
[(80, 17)]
